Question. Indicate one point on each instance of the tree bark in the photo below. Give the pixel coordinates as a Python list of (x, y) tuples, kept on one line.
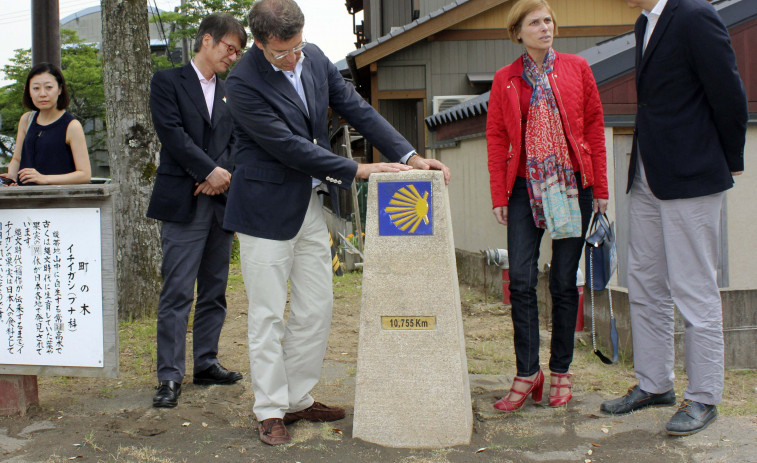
[(133, 147)]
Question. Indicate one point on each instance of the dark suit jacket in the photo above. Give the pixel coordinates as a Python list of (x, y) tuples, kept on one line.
[(692, 108), (193, 144), (280, 146)]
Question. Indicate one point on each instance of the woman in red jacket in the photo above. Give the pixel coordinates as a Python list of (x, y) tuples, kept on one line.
[(547, 166)]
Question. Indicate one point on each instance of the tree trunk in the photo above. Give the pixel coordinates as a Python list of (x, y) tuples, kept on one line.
[(133, 147)]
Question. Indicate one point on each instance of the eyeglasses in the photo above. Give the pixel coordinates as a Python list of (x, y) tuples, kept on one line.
[(284, 54), (232, 50)]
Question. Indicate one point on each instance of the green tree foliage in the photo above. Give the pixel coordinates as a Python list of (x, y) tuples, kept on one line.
[(11, 108), (82, 69), (186, 20)]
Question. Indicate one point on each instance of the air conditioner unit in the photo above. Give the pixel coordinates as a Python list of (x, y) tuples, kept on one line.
[(447, 101)]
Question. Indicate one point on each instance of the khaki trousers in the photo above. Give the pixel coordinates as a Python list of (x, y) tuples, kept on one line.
[(286, 358)]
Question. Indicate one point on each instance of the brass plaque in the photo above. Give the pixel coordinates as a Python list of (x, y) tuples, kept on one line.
[(403, 322)]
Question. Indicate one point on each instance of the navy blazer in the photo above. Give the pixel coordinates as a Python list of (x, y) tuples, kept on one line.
[(281, 146), (692, 107), (192, 144)]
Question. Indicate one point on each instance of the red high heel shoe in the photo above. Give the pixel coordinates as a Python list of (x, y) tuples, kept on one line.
[(536, 389), (557, 400)]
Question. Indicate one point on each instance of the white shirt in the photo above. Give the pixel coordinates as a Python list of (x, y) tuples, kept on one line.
[(652, 17), (208, 88)]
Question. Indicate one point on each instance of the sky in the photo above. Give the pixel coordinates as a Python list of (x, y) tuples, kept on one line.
[(327, 24)]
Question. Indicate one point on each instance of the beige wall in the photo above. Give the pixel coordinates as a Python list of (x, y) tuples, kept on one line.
[(742, 221), (473, 223), (475, 227)]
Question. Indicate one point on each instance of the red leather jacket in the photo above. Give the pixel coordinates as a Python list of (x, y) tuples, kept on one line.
[(581, 112)]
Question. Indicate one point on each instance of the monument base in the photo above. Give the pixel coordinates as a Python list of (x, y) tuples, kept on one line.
[(17, 393), (412, 387)]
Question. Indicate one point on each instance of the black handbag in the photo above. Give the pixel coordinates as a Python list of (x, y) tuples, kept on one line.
[(601, 257), (601, 263)]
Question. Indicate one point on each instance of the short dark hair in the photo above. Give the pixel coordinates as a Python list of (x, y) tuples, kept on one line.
[(219, 25), (41, 68), (280, 19)]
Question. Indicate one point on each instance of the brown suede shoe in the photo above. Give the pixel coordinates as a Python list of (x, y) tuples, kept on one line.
[(273, 432), (315, 412)]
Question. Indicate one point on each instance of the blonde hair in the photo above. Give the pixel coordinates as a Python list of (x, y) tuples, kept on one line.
[(518, 13)]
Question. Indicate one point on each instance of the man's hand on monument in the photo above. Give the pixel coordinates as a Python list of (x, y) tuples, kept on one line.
[(219, 180), (418, 162), (501, 214), (365, 170)]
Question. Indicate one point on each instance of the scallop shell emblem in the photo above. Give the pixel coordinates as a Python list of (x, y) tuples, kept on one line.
[(407, 208)]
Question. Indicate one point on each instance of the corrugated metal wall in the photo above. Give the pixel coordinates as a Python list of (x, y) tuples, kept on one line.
[(402, 115), (395, 13)]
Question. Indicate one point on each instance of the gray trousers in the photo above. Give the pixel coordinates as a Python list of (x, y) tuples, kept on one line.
[(673, 253), (196, 251)]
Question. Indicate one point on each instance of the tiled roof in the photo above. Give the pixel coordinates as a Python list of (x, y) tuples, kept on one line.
[(402, 29)]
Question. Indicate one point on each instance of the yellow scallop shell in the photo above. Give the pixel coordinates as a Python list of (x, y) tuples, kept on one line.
[(408, 208)]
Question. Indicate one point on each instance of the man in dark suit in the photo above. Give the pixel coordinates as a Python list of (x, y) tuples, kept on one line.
[(688, 144), (279, 94), (194, 125)]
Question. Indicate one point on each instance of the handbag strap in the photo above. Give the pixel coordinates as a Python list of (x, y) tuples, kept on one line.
[(596, 351)]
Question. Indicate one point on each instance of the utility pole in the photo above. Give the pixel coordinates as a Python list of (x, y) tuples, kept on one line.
[(45, 32), (184, 41)]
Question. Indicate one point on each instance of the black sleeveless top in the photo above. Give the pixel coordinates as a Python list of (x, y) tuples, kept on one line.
[(45, 147)]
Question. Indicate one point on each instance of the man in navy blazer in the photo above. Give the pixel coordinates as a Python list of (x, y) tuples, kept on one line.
[(688, 144), (195, 128), (279, 94)]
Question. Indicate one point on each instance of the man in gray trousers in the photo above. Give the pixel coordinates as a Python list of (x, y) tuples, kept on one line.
[(688, 144), (194, 125)]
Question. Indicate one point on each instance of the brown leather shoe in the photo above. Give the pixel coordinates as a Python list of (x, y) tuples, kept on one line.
[(273, 432), (315, 412)]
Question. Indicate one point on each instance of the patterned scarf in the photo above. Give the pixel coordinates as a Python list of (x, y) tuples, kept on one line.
[(551, 182)]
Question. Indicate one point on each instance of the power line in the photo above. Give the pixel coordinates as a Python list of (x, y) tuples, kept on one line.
[(163, 31)]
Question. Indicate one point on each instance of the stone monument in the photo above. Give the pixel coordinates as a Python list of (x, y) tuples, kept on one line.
[(412, 386)]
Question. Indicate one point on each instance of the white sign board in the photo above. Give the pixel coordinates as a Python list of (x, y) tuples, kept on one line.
[(51, 287)]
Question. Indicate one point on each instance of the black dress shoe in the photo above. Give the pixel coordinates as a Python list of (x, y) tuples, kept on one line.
[(216, 374), (691, 418), (167, 395), (636, 399)]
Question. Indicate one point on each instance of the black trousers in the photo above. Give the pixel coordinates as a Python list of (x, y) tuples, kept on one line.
[(523, 240)]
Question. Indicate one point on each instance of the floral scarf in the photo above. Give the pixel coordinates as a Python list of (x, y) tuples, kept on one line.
[(551, 182)]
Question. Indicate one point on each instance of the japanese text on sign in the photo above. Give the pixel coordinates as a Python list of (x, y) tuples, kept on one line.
[(51, 287)]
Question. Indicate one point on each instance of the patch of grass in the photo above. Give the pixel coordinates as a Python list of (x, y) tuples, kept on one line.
[(89, 441), (235, 280), (132, 454), (739, 395), (138, 350), (348, 285), (330, 433), (488, 357)]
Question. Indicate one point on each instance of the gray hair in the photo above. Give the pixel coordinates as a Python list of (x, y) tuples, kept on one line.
[(219, 25), (279, 19)]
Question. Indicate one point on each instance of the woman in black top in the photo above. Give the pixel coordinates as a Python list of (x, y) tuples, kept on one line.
[(50, 144)]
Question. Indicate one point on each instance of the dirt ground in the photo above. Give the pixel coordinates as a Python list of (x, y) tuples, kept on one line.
[(112, 420)]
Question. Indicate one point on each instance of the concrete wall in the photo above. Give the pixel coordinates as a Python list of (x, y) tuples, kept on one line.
[(475, 229), (742, 221), (474, 225)]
